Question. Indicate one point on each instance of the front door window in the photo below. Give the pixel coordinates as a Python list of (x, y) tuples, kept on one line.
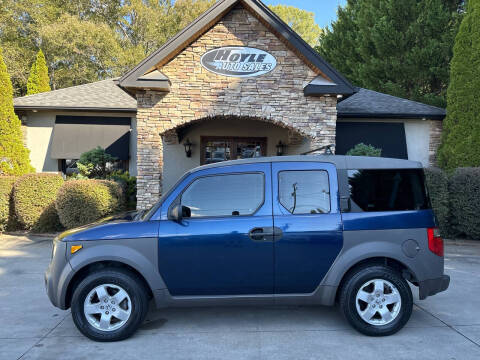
[(216, 149)]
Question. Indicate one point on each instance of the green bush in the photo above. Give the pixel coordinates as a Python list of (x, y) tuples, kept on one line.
[(6, 187), (437, 183), (80, 202), (93, 164), (33, 199), (364, 150), (464, 192), (129, 184)]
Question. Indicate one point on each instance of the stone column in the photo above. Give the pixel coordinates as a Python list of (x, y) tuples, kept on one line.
[(436, 127), (323, 126), (149, 150)]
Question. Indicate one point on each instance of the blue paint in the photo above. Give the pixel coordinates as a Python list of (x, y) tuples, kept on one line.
[(310, 242), (388, 220), (215, 255), (112, 231)]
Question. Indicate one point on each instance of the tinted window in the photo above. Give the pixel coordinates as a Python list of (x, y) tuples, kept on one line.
[(224, 195), (304, 192), (387, 190)]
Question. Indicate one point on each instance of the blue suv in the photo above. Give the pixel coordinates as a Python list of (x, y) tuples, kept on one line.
[(315, 230)]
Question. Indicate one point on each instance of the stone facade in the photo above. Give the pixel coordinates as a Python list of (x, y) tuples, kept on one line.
[(436, 127), (276, 97)]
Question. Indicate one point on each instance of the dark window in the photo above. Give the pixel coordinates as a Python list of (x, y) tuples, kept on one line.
[(225, 195), (390, 137), (304, 192), (387, 190)]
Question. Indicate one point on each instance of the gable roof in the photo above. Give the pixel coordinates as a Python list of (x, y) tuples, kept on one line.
[(102, 95), (372, 104), (190, 33)]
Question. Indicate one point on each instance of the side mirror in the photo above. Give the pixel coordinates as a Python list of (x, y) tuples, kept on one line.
[(178, 212)]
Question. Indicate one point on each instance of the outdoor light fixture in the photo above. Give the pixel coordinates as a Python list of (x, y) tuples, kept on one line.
[(188, 148), (280, 148)]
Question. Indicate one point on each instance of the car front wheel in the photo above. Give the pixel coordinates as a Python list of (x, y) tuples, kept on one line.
[(376, 300), (109, 305)]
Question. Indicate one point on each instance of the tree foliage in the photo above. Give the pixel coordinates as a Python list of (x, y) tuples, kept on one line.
[(14, 156), (38, 80), (364, 150), (95, 163), (402, 47), (461, 128), (301, 21), (88, 40)]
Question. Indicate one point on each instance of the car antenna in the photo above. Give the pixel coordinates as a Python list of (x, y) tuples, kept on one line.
[(327, 150)]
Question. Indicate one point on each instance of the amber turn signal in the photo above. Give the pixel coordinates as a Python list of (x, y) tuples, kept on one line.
[(75, 248)]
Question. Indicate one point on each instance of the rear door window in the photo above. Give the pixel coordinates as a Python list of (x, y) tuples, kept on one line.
[(225, 195), (387, 190), (304, 191)]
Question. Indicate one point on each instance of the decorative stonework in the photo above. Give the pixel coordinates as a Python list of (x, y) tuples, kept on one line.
[(276, 97), (436, 127)]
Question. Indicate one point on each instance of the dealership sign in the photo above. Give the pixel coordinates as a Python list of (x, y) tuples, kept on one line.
[(238, 61)]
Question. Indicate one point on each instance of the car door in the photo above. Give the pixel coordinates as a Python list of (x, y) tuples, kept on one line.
[(305, 208), (226, 246)]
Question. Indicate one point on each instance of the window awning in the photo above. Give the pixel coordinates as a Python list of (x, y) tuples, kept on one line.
[(74, 135)]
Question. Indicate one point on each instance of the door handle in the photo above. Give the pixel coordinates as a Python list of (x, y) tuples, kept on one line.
[(265, 233)]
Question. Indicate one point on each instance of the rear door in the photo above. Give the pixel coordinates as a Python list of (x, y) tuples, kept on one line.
[(226, 246), (305, 209)]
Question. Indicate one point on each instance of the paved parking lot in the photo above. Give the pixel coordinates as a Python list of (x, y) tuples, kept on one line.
[(446, 326)]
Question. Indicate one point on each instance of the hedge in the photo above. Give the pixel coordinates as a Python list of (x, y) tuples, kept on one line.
[(437, 183), (6, 215), (464, 189), (33, 200), (80, 202)]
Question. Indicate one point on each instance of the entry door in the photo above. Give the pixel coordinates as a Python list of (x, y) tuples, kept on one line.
[(305, 209), (226, 246)]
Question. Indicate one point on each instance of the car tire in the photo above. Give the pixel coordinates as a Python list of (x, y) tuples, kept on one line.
[(109, 304), (370, 310)]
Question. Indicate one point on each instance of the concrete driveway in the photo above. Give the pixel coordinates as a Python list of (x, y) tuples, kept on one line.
[(446, 326)]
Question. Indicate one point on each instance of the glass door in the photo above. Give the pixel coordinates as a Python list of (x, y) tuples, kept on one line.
[(218, 148)]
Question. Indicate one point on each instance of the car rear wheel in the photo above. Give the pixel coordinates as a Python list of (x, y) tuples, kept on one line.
[(109, 305), (376, 300)]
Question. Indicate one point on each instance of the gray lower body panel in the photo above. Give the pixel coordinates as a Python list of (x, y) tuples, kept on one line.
[(433, 286)]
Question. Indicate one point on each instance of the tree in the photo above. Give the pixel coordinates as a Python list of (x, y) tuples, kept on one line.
[(38, 81), (362, 149), (301, 21), (402, 47), (461, 129), (14, 156)]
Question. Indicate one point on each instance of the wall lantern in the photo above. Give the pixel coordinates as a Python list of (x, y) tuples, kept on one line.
[(188, 148), (280, 148)]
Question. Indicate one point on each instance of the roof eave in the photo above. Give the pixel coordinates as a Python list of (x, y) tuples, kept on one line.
[(318, 90), (351, 115), (74, 108)]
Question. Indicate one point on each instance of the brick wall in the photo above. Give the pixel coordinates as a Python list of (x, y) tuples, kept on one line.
[(276, 97)]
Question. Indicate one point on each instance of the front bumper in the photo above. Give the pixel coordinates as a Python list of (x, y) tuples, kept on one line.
[(433, 286), (57, 275)]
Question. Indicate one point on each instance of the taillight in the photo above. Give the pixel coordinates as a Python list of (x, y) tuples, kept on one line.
[(435, 241)]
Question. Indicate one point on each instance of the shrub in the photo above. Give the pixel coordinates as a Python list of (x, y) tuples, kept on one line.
[(94, 163), (80, 202), (6, 187), (33, 199), (364, 150), (437, 183), (464, 192), (129, 184)]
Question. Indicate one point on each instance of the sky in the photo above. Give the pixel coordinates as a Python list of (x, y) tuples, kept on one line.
[(325, 10)]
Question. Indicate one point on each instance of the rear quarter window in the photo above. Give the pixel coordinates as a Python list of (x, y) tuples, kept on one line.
[(387, 190)]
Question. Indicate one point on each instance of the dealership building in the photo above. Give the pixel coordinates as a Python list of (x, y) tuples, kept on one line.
[(235, 83)]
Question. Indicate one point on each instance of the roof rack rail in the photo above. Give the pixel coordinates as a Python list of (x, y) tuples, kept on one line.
[(327, 150)]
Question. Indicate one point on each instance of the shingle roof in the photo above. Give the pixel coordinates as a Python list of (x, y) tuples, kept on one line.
[(102, 95), (368, 103)]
